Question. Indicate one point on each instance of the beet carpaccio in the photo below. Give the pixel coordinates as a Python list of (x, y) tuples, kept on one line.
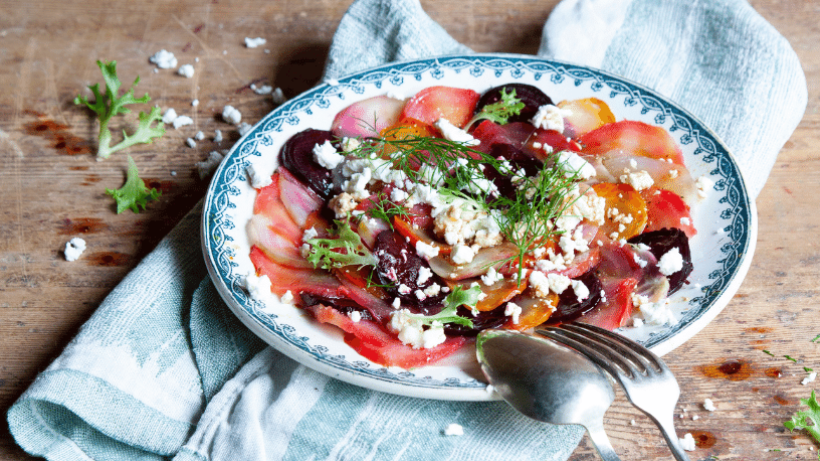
[(413, 224)]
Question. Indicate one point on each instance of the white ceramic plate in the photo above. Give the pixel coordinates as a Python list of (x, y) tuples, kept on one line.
[(721, 251)]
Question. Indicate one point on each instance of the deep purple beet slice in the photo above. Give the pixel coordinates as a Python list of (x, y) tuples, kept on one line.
[(518, 159), (343, 305), (297, 157), (532, 97), (569, 308), (660, 242), (483, 321), (400, 265)]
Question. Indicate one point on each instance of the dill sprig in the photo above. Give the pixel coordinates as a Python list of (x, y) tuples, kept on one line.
[(385, 209), (456, 171)]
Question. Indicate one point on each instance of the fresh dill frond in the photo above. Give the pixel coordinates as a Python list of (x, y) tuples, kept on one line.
[(501, 111), (385, 209)]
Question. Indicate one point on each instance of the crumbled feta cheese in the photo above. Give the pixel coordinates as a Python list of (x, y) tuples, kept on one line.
[(581, 290), (639, 180), (350, 144), (182, 120), (278, 96), (199, 136), (573, 164), (550, 117), (632, 422), (331, 81), (170, 116), (326, 155), (454, 429), (411, 330), (264, 89), (396, 303), (354, 316), (231, 115), (433, 290), (810, 378), (404, 289), (514, 311), (673, 174), (454, 133), (343, 204), (287, 298), (164, 59), (397, 195), (685, 221), (217, 136), (657, 313), (695, 417), (244, 128), (190, 142), (258, 180), (426, 251), (539, 284), (637, 322), (462, 254), (258, 287), (206, 167), (492, 277), (254, 42), (671, 262), (688, 442), (558, 283), (195, 102), (708, 405), (186, 70), (74, 248), (704, 185), (633, 163), (424, 275)]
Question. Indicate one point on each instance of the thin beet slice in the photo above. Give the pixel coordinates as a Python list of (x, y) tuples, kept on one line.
[(297, 157), (660, 242), (569, 308), (483, 321), (532, 97), (400, 265), (518, 159), (343, 305)]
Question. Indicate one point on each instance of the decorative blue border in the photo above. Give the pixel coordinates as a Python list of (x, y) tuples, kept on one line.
[(219, 198)]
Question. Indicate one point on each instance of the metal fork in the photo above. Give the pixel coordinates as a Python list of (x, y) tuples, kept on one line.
[(647, 381)]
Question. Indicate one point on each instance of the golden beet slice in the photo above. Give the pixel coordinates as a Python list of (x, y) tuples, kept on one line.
[(587, 114), (625, 211), (534, 312)]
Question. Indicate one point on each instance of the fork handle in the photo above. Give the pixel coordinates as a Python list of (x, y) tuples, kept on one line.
[(667, 428), (601, 442)]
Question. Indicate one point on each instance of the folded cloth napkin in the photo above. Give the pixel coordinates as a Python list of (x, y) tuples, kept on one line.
[(164, 370)]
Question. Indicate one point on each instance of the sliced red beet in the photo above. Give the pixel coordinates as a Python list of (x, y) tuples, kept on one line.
[(617, 309), (483, 321), (435, 102), (660, 242), (399, 266), (518, 160), (665, 209), (514, 134), (340, 303), (570, 308), (297, 157), (532, 97), (629, 137), (371, 341)]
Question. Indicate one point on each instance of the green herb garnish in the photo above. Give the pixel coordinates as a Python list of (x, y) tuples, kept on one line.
[(457, 297), (791, 358), (108, 105), (385, 209), (815, 338), (767, 352), (456, 172), (133, 194), (325, 253), (808, 419), (807, 369), (500, 111)]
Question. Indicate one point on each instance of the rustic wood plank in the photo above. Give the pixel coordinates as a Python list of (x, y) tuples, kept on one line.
[(52, 189)]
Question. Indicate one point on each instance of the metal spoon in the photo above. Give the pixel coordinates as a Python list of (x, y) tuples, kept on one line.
[(548, 382)]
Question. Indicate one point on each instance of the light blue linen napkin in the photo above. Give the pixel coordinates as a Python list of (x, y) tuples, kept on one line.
[(164, 370)]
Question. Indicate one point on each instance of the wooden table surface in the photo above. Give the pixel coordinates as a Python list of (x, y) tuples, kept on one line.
[(52, 189)]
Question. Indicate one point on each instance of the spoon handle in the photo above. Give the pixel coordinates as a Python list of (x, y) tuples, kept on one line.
[(601, 441)]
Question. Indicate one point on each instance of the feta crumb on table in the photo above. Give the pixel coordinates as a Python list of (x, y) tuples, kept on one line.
[(231, 115), (688, 442), (186, 70), (264, 89), (190, 142), (199, 136), (182, 120), (206, 167), (170, 116), (244, 128), (810, 378), (164, 59), (217, 136), (254, 42), (278, 96), (74, 248), (708, 405), (195, 102), (454, 429)]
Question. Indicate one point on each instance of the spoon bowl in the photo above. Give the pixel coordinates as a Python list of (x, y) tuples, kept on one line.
[(548, 382)]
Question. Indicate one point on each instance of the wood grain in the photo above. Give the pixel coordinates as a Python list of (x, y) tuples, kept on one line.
[(51, 189)]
